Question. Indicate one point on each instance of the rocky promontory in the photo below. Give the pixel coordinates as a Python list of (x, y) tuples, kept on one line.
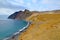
[(20, 15)]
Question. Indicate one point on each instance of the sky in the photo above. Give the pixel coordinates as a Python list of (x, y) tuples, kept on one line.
[(7, 7)]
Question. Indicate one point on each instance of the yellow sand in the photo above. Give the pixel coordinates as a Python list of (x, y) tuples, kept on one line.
[(43, 27)]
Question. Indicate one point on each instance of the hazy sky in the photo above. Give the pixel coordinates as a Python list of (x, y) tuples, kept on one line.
[(10, 6)]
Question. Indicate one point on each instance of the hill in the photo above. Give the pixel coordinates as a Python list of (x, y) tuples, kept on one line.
[(42, 27)]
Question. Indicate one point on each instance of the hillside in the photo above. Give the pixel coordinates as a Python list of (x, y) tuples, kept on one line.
[(42, 27), (35, 14)]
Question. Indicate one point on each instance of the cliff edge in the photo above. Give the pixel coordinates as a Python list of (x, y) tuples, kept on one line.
[(20, 15)]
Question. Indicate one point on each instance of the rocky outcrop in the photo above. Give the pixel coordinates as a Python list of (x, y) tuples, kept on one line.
[(20, 15), (13, 16)]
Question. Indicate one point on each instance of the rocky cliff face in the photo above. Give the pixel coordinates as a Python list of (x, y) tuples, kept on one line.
[(20, 15), (23, 15), (13, 16)]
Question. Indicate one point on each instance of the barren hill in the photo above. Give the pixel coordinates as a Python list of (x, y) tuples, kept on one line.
[(42, 27)]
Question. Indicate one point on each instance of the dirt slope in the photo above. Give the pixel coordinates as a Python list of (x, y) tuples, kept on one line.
[(42, 27)]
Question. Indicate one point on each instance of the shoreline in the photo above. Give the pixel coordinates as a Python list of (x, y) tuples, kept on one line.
[(15, 35)]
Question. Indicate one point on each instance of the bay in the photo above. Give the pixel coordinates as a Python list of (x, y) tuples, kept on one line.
[(9, 26)]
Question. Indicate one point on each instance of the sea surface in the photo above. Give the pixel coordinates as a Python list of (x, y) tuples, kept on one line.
[(3, 16), (9, 26)]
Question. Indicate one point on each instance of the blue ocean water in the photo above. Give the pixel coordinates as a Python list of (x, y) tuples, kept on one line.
[(4, 16), (10, 26)]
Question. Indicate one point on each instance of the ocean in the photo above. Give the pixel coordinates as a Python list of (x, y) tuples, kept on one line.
[(4, 16), (9, 26)]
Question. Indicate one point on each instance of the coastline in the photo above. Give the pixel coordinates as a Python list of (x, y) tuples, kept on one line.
[(15, 35)]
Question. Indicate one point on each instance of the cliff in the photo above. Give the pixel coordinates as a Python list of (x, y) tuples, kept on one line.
[(20, 15), (13, 16)]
